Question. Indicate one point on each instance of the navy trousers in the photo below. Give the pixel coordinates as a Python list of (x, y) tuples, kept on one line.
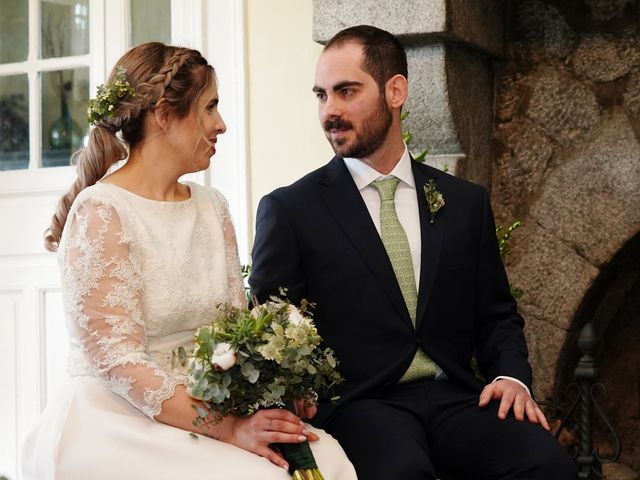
[(434, 429)]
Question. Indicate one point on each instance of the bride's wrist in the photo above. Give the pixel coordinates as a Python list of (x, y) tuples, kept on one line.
[(222, 430)]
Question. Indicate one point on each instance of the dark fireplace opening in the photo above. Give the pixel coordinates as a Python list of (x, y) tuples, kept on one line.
[(612, 304)]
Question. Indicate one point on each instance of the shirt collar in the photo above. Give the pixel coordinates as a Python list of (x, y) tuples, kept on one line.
[(363, 174)]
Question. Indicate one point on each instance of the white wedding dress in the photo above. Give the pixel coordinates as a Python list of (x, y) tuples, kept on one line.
[(138, 277)]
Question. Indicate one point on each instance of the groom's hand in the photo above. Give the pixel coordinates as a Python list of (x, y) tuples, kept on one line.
[(305, 408), (513, 395)]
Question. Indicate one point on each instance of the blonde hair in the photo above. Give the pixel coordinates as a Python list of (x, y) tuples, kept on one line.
[(156, 72)]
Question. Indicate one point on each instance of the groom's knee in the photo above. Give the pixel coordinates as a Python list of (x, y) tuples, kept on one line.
[(550, 461), (397, 459), (382, 442)]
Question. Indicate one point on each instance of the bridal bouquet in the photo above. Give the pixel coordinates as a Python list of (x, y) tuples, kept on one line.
[(261, 358)]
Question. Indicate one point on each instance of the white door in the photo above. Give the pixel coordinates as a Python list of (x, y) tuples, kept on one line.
[(53, 54)]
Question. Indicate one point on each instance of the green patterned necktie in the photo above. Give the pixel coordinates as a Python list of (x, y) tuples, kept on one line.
[(396, 243)]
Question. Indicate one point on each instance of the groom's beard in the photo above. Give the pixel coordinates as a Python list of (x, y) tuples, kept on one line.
[(373, 133)]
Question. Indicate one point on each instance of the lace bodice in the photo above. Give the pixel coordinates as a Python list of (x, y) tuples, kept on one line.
[(138, 277)]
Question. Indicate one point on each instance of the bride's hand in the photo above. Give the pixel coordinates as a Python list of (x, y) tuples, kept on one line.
[(264, 427)]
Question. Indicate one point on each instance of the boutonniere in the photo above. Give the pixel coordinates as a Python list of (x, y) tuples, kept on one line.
[(435, 200)]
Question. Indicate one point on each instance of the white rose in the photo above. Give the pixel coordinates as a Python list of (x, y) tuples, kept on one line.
[(223, 356), (295, 317)]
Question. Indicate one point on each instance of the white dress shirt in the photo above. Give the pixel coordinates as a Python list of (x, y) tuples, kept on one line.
[(406, 201)]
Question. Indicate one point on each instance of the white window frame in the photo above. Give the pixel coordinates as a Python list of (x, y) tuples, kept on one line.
[(214, 27), (29, 179)]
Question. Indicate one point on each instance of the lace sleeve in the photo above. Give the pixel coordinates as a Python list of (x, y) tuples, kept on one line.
[(102, 283), (234, 274)]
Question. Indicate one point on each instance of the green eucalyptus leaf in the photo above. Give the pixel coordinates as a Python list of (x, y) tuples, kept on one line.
[(422, 157), (247, 368), (204, 335), (253, 376), (201, 412)]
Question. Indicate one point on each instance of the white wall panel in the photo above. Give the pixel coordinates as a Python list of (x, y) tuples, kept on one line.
[(31, 326), (27, 217), (9, 314)]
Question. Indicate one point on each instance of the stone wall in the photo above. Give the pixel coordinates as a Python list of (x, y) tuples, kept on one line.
[(567, 157)]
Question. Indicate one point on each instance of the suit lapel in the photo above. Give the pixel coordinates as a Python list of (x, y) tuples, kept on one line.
[(431, 239), (350, 212)]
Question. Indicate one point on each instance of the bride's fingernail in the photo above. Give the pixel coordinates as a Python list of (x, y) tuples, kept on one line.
[(302, 438), (285, 466), (305, 432)]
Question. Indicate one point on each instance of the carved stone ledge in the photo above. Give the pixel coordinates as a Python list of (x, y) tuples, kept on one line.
[(477, 23)]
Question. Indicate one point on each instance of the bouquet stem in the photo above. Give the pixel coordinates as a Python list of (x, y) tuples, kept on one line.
[(302, 465), (313, 474)]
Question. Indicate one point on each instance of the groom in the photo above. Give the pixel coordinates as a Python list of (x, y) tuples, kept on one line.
[(403, 264)]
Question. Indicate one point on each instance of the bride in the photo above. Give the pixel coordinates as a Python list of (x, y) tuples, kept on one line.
[(144, 258)]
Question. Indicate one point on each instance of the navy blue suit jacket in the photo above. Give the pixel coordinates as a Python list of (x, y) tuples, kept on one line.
[(316, 239)]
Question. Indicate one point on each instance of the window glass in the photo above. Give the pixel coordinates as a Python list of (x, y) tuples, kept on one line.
[(150, 21), (14, 25), (65, 94), (14, 122), (64, 28)]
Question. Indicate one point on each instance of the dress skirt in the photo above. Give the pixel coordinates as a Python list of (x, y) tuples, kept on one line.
[(89, 432)]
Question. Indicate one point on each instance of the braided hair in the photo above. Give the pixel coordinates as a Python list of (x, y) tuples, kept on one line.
[(156, 72)]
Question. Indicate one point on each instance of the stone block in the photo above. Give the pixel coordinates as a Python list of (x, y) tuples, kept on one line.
[(404, 18), (592, 201), (470, 87), (544, 34), (525, 152), (604, 58), (561, 105), (552, 274), (449, 105), (607, 9), (632, 96), (545, 342), (619, 471), (478, 23), (509, 93), (430, 120)]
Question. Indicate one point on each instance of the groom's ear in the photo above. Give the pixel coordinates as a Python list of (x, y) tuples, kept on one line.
[(396, 91)]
